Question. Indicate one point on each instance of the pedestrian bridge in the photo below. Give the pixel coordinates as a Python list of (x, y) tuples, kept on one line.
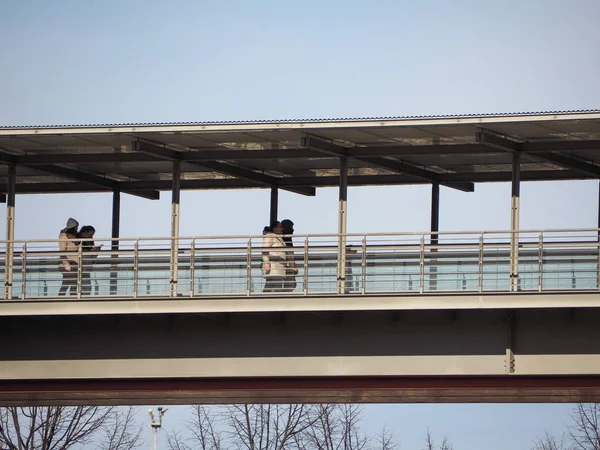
[(405, 318), (434, 317)]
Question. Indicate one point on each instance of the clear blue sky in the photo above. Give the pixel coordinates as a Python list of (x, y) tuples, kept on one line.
[(76, 62)]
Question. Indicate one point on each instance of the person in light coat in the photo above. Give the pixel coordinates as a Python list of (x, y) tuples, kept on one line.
[(68, 265), (274, 258)]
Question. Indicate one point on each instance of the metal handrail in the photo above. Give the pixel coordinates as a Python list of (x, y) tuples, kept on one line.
[(395, 262), (323, 235)]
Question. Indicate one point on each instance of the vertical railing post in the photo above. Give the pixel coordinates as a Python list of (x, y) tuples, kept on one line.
[(192, 267), (422, 265), (79, 269), (136, 267), (480, 262), (598, 265), (10, 231), (249, 268), (24, 271), (540, 261), (306, 266), (364, 265), (598, 260)]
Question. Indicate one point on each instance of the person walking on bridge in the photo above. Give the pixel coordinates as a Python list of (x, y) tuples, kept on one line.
[(68, 247), (274, 257), (291, 270), (86, 234)]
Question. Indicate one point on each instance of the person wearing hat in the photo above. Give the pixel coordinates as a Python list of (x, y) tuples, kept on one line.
[(68, 247), (291, 270), (89, 254)]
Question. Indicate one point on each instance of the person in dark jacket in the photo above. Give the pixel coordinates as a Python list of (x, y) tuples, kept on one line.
[(292, 270), (86, 234)]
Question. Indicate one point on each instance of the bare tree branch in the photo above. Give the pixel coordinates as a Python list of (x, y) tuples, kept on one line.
[(386, 440), (121, 431), (50, 428), (585, 431), (550, 442), (268, 427), (445, 445), (429, 440), (279, 427), (336, 427), (175, 441)]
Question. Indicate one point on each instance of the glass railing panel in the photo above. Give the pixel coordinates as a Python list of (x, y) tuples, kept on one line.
[(393, 264), (321, 272), (373, 264), (221, 267), (495, 270), (455, 268)]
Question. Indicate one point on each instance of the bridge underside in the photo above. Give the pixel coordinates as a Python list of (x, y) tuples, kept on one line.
[(475, 355)]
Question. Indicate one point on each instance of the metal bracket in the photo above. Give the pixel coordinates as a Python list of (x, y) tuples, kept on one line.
[(509, 361)]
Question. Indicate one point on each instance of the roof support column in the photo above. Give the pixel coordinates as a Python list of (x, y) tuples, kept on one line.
[(342, 222), (175, 227), (274, 205), (514, 222), (10, 231), (435, 227), (114, 244)]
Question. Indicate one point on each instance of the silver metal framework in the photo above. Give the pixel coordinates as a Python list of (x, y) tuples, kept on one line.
[(395, 264)]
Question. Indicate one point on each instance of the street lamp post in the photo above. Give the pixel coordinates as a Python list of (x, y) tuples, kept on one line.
[(156, 424)]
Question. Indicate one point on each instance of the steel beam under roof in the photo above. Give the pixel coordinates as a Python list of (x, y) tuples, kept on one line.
[(324, 181), (570, 163), (224, 168), (512, 146), (87, 178), (225, 154), (394, 166)]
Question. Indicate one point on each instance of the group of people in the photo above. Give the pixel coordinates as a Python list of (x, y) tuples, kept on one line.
[(70, 239), (278, 262), (279, 265)]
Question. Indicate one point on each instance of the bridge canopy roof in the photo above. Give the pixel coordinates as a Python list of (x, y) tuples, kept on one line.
[(301, 155)]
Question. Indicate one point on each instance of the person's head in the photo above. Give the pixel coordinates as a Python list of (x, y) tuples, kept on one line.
[(72, 226), (275, 227), (87, 231), (288, 226)]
